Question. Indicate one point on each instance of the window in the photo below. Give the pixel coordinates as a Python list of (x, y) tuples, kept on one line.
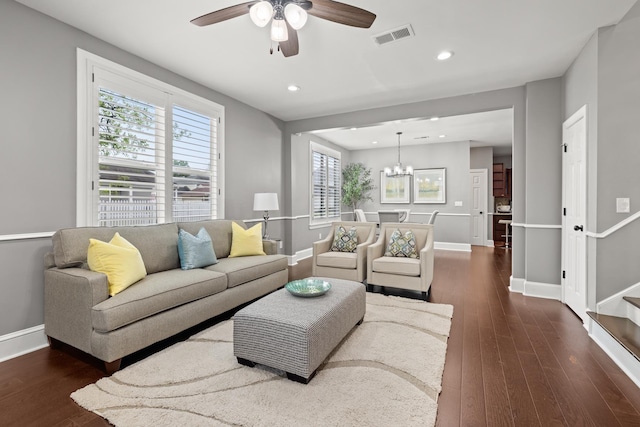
[(325, 184), (149, 153)]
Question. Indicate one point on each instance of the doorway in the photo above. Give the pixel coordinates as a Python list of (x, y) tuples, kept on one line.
[(479, 179), (574, 200)]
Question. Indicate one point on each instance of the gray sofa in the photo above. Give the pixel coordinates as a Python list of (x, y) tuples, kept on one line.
[(78, 310)]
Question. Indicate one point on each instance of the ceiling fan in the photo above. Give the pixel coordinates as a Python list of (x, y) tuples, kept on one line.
[(288, 16)]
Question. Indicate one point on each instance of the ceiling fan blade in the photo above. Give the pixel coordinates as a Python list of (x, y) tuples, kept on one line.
[(342, 13), (290, 47), (223, 14)]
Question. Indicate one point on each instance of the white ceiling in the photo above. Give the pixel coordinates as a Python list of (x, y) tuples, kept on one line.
[(497, 44), (491, 128)]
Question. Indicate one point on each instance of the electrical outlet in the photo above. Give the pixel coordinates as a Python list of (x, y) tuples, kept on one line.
[(280, 244), (458, 203)]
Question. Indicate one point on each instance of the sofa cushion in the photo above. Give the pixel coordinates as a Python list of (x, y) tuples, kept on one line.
[(245, 269), (195, 251), (397, 265), (218, 229), (156, 293), (119, 260), (246, 242), (345, 241), (402, 245), (158, 244), (337, 259)]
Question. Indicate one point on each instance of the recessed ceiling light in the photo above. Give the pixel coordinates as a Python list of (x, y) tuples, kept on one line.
[(374, 142), (444, 55), (293, 88), (434, 118), (442, 136), (354, 128)]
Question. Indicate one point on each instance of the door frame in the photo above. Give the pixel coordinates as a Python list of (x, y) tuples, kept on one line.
[(485, 174), (580, 114)]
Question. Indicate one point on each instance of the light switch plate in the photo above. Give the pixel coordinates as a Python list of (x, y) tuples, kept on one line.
[(622, 205), (458, 203)]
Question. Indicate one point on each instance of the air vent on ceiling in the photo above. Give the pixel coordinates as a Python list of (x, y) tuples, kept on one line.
[(394, 35)]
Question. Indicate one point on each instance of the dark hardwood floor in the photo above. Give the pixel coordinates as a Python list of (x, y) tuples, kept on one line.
[(511, 360)]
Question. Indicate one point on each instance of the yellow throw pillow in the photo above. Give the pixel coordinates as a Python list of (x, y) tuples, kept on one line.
[(246, 242), (119, 260)]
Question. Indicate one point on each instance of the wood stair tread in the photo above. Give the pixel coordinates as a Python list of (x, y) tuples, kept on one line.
[(632, 300), (622, 330)]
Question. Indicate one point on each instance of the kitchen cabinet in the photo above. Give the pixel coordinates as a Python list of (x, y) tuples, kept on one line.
[(502, 181)]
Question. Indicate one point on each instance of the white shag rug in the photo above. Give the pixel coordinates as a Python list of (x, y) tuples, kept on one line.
[(387, 372)]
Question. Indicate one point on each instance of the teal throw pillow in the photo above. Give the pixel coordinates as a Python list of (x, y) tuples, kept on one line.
[(345, 241), (402, 245), (195, 251)]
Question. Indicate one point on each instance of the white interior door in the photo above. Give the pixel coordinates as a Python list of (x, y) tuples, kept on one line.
[(479, 206), (574, 200)]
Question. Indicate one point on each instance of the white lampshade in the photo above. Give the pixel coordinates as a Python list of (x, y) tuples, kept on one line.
[(279, 31), (261, 13), (265, 202), (296, 16)]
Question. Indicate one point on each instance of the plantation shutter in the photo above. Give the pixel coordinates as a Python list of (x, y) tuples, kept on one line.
[(131, 160), (326, 189), (195, 165)]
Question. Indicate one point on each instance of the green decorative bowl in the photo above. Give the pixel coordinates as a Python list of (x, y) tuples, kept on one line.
[(308, 287)]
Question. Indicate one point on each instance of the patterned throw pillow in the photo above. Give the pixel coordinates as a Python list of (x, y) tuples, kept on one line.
[(402, 245), (345, 241)]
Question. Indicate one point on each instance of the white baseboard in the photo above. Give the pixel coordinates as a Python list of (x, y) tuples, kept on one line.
[(300, 255), (22, 342), (516, 285), (446, 246), (625, 360), (542, 290), (535, 289)]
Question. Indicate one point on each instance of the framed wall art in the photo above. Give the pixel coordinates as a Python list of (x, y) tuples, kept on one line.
[(395, 189), (429, 185)]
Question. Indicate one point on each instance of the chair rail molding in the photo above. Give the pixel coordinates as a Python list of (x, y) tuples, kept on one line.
[(26, 236)]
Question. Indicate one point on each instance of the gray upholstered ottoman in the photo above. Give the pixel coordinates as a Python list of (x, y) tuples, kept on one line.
[(296, 334)]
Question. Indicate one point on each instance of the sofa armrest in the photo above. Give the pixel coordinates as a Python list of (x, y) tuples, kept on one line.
[(69, 296), (322, 246), (427, 263), (270, 247), (375, 250)]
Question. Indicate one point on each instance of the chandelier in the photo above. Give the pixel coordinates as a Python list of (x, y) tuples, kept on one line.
[(398, 170), (263, 12)]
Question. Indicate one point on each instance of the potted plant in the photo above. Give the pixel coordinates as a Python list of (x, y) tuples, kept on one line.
[(357, 185)]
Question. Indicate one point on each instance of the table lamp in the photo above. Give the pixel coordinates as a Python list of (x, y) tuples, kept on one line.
[(265, 202)]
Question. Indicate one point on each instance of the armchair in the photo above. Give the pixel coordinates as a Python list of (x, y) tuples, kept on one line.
[(401, 272), (344, 265)]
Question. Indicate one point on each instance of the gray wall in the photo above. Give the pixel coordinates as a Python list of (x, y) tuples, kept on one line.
[(606, 77), (455, 157), (618, 153), (302, 236), (544, 178), (38, 146)]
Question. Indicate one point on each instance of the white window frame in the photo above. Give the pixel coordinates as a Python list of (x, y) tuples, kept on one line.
[(87, 65), (322, 149)]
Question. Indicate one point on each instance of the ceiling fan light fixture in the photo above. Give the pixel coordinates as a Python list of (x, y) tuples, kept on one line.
[(279, 31), (296, 16), (261, 13)]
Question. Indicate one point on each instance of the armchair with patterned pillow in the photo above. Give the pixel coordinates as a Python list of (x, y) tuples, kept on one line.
[(343, 253), (402, 257)]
